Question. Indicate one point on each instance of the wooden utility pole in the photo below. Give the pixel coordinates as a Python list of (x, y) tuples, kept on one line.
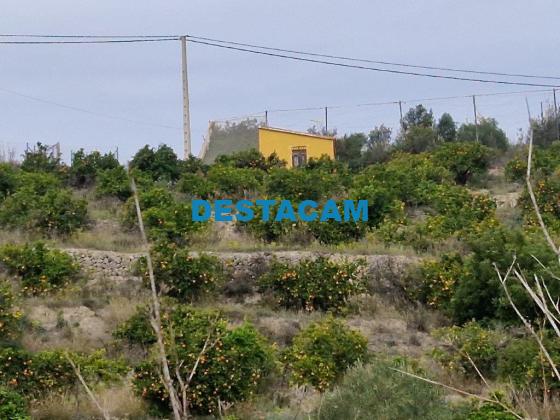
[(266, 118), (400, 111), (326, 120), (186, 109), (475, 117)]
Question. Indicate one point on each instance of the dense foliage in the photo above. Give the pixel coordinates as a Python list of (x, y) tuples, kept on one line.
[(39, 268), (9, 316), (181, 274), (314, 284), (35, 374), (377, 391), (12, 405), (165, 217), (37, 203), (320, 354), (467, 287), (230, 370)]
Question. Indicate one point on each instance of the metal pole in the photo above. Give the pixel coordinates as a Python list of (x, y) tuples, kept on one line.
[(475, 117), (556, 115), (400, 111), (326, 120), (186, 110)]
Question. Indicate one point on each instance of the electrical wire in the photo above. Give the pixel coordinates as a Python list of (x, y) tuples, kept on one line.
[(363, 60), (104, 41), (86, 111), (192, 38), (375, 69)]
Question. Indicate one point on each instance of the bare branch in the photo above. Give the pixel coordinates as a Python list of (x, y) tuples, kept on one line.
[(460, 391), (525, 322), (155, 313), (532, 193), (481, 376), (86, 387)]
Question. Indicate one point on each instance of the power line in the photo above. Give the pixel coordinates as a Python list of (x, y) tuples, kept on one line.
[(104, 41), (193, 38), (363, 60), (390, 102), (88, 36), (375, 69), (86, 111)]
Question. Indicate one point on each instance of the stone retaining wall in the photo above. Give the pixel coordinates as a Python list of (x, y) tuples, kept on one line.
[(384, 272)]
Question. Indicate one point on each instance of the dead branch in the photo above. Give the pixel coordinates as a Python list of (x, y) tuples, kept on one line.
[(460, 391), (86, 387), (155, 313), (528, 326), (544, 229)]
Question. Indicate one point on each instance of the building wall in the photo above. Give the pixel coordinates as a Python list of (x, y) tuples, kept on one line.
[(283, 142)]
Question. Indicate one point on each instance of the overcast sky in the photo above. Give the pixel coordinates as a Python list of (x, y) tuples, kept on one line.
[(143, 81)]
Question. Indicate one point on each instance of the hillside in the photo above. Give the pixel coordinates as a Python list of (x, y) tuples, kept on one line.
[(289, 319)]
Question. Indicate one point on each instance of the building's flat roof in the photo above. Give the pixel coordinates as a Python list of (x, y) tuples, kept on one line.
[(299, 133)]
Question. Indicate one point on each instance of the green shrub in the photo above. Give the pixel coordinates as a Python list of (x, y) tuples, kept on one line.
[(435, 280), (86, 166), (469, 341), (57, 212), (332, 232), (40, 159), (39, 204), (230, 371), (196, 185), (113, 182), (302, 184), (12, 405), (160, 165), (467, 288), (376, 391), (314, 284), (164, 218), (251, 158), (8, 179), (463, 159), (34, 375), (547, 191), (39, 268), (322, 352), (181, 275), (236, 182), (270, 231), (9, 316), (406, 177), (417, 139), (488, 411), (522, 363), (137, 329), (489, 134)]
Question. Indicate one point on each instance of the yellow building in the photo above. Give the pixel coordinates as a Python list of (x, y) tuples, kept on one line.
[(294, 147)]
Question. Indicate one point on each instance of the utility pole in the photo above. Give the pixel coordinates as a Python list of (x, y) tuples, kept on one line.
[(400, 111), (266, 118), (556, 120), (326, 120), (475, 117), (186, 109)]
